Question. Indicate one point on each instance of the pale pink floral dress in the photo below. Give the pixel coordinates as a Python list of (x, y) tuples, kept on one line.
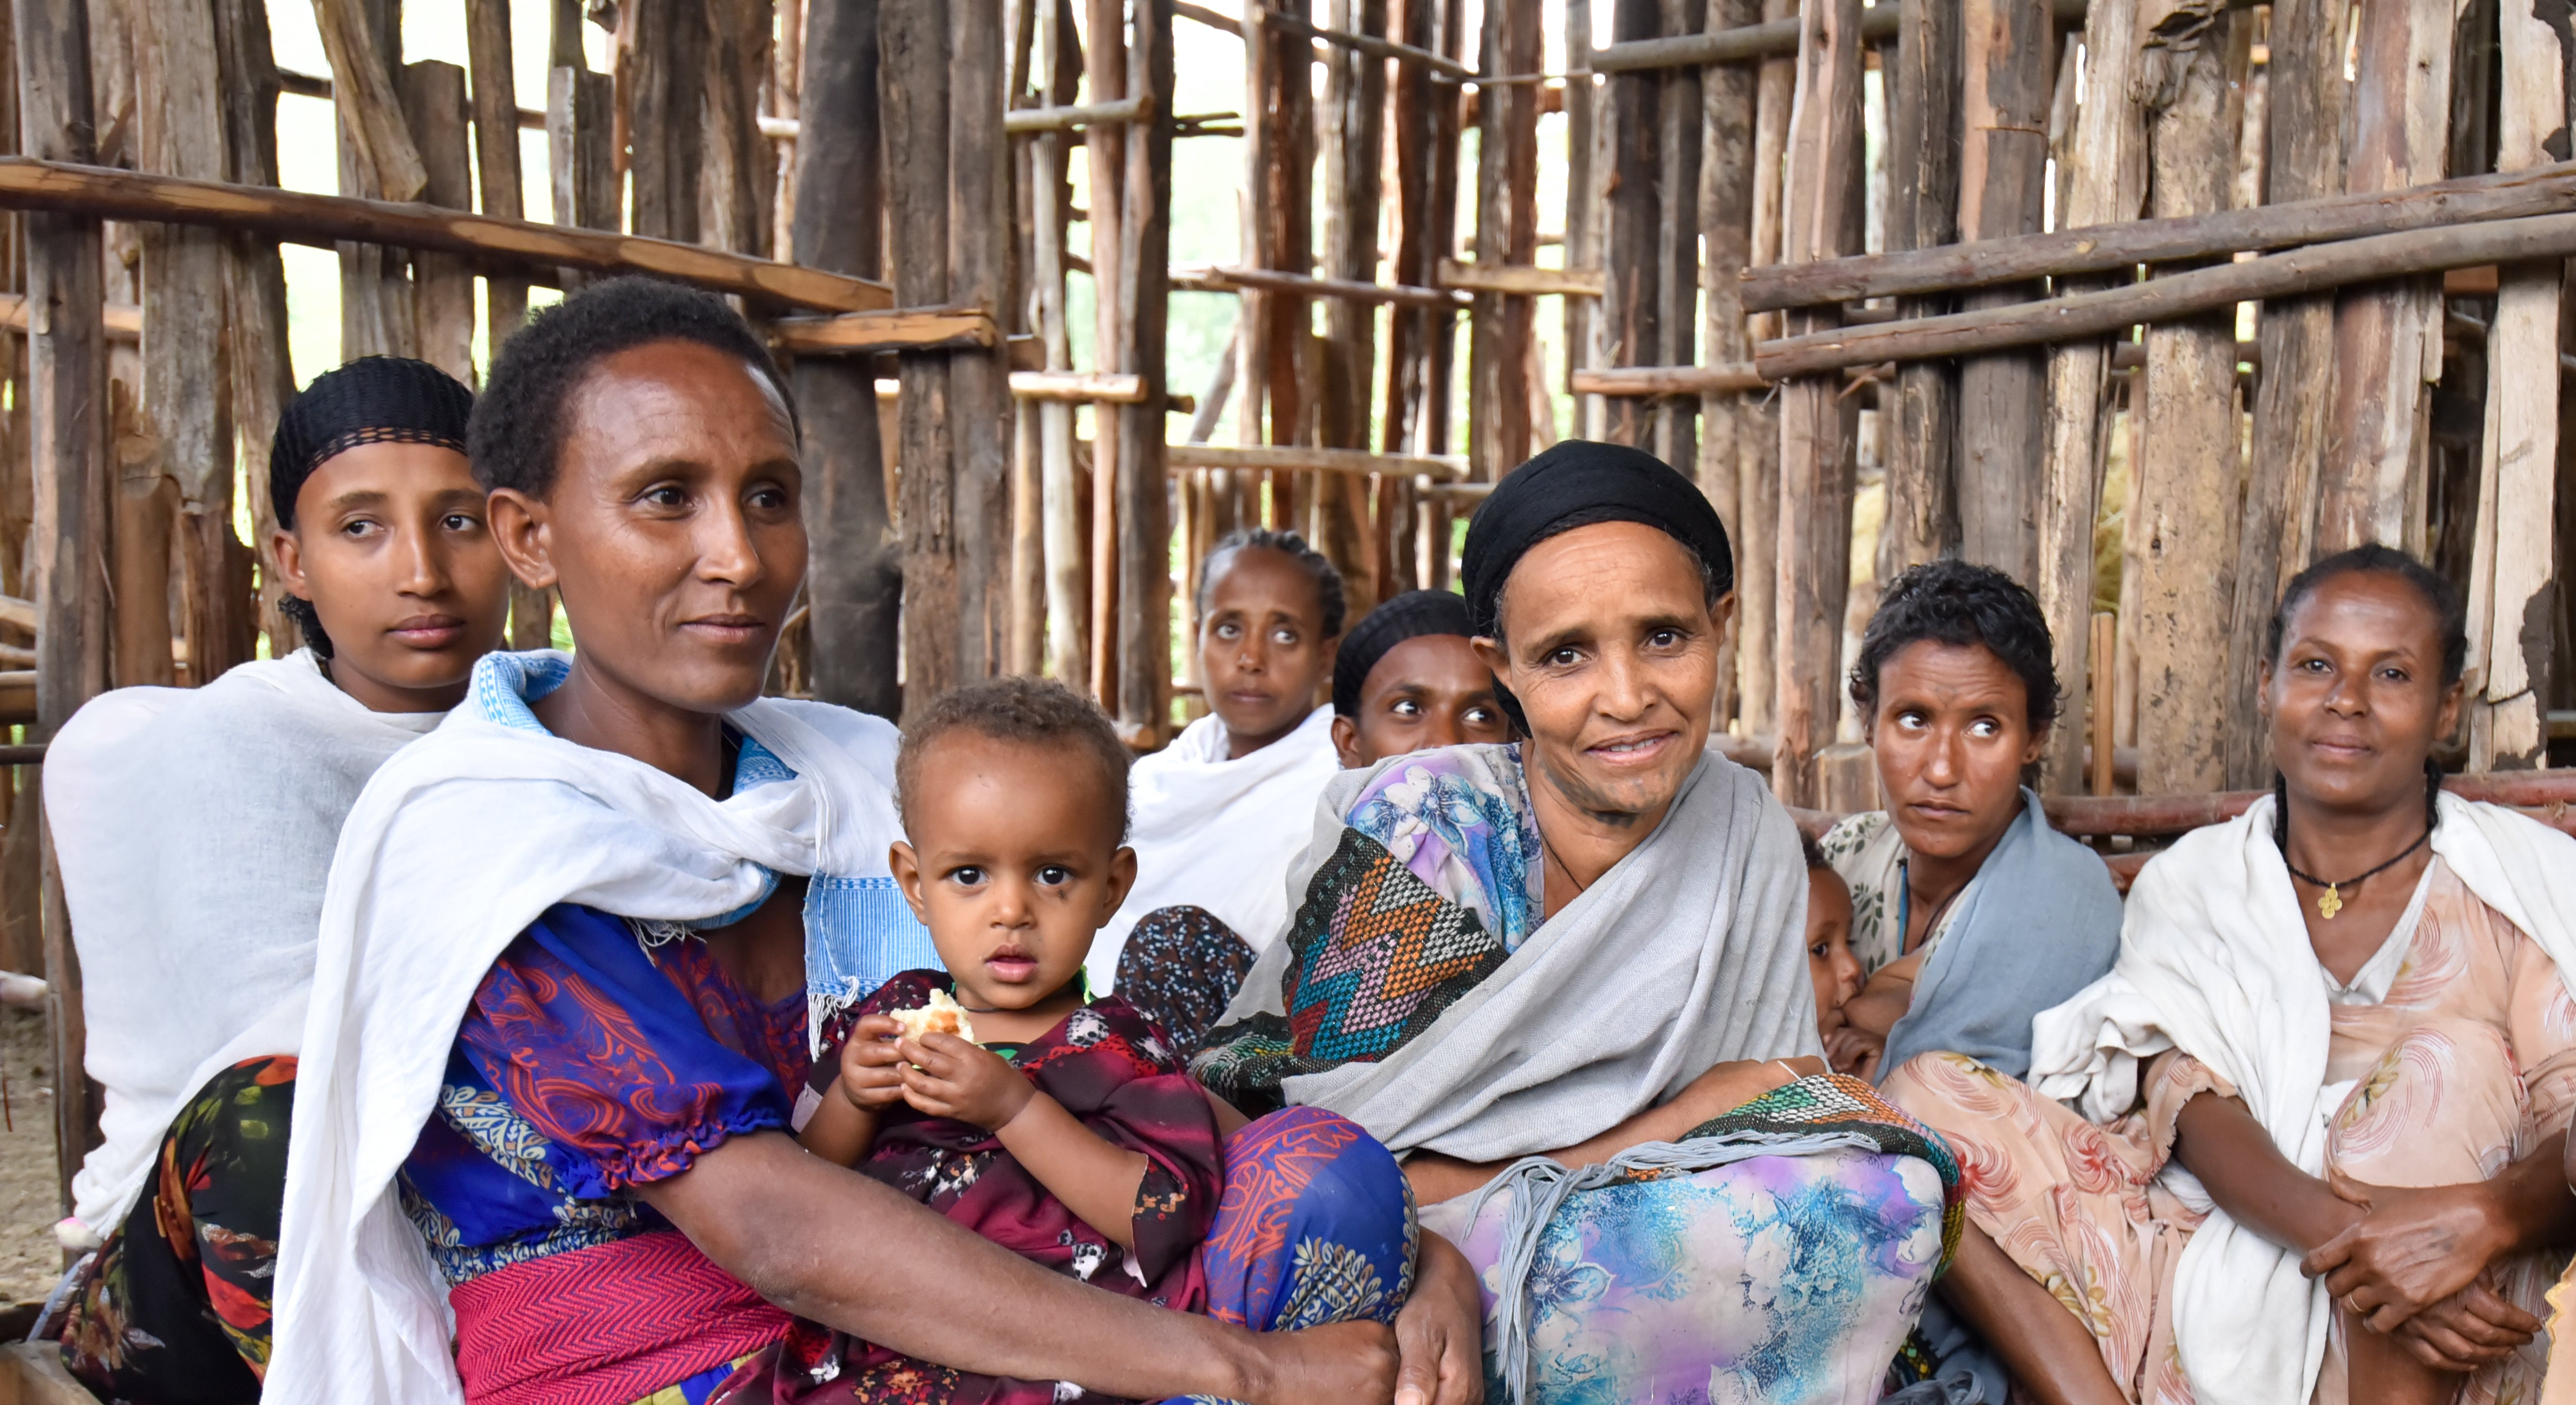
[(2466, 1063)]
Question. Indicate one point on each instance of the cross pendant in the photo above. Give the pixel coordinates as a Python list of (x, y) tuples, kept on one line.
[(2331, 903)]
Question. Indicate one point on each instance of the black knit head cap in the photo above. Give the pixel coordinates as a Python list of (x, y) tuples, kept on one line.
[(1577, 484), (1408, 616), (372, 400)]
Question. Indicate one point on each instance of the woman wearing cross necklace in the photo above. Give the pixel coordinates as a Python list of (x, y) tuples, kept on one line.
[(2346, 1015)]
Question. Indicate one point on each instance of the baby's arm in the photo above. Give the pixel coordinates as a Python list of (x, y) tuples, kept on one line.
[(1884, 1001), (1094, 1179), (844, 1124)]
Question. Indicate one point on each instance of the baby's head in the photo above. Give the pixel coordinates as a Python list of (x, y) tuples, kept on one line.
[(1013, 795), (1830, 963)]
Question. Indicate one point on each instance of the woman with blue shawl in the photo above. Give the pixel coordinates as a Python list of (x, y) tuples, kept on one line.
[(1566, 980)]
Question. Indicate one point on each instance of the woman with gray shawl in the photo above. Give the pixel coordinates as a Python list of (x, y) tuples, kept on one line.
[(1566, 980)]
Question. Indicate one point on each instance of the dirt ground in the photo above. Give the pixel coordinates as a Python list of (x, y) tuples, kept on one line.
[(29, 1262)]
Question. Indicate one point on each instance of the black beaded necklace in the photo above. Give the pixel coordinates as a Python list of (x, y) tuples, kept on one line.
[(2330, 901)]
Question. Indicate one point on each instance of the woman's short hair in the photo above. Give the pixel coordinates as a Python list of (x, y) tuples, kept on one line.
[(2431, 586), (1956, 603), (516, 435), (1329, 591), (1035, 712)]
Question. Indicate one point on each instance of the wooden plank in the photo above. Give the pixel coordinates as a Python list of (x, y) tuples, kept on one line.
[(2303, 160), (67, 386), (1144, 525), (896, 329), (980, 227), (1076, 116), (2544, 190), (497, 122), (2388, 341), (2170, 298), (1291, 458), (1520, 280), (434, 100), (2513, 596), (1922, 522), (1818, 424), (854, 583), (300, 217), (2005, 67), (375, 122), (663, 87), (914, 83), (2104, 180), (2190, 469), (1635, 381)]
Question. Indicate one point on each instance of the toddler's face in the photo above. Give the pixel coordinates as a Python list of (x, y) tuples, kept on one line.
[(1012, 863), (1830, 963)]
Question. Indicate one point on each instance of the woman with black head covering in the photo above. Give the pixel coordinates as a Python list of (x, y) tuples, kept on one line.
[(195, 829), (1407, 679), (1586, 949)]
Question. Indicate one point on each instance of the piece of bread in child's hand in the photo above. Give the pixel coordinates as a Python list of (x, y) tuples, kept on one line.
[(943, 1015)]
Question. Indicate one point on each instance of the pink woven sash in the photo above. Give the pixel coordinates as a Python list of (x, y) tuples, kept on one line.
[(606, 1325)]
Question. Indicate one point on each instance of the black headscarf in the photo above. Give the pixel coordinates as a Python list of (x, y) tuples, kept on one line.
[(1577, 484), (1408, 616), (372, 400)]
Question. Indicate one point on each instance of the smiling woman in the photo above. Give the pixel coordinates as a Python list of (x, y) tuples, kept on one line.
[(1585, 949)]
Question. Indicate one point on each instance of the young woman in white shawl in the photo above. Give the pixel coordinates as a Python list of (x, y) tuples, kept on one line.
[(569, 951), (2327, 1082), (195, 829), (1567, 980)]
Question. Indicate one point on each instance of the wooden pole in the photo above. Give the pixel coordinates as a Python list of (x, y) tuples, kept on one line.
[(67, 384), (1922, 212), (2005, 72), (1354, 127), (979, 390), (256, 354), (2104, 177), (434, 100), (1105, 70), (668, 41), (1144, 522), (854, 588), (2189, 473), (1757, 567), (1068, 577), (2388, 341), (914, 78), (1680, 117), (2513, 595), (1726, 235), (379, 160), (1632, 273), (496, 150), (1583, 109), (739, 175), (1818, 423)]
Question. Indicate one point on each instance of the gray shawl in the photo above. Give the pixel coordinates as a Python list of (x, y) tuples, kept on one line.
[(1688, 953), (2043, 923)]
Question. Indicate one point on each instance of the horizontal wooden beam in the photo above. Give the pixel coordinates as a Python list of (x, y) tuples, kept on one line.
[(1227, 279), (124, 319), (18, 614), (315, 85), (1771, 39), (1287, 458), (1109, 387), (898, 329), (1667, 380), (2110, 248), (1363, 43), (1139, 108), (1521, 279), (2172, 296), (300, 217), (2130, 356)]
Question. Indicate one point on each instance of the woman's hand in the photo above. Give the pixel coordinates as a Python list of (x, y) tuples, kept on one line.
[(2412, 1248), (1439, 1336), (945, 1076), (871, 1067), (2467, 1330), (1347, 1363)]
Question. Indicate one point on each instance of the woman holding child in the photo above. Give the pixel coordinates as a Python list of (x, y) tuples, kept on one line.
[(573, 943), (2325, 1089), (1586, 947)]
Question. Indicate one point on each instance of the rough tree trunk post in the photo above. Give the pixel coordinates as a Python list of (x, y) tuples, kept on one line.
[(739, 177), (1354, 120), (2005, 70), (1105, 68), (2188, 475), (1726, 233), (1500, 325), (854, 588), (1144, 522), (1582, 210), (67, 383), (979, 379), (1680, 114), (1921, 444), (666, 73), (496, 150), (2388, 340), (1818, 423), (1757, 545), (2513, 595), (2105, 183), (914, 79), (1632, 304), (434, 101), (2303, 161), (378, 160), (263, 374), (1068, 575)]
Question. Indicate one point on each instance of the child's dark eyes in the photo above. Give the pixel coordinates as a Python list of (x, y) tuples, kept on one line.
[(1055, 876), (966, 876)]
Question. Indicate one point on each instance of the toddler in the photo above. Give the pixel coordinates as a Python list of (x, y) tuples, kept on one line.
[(1830, 963)]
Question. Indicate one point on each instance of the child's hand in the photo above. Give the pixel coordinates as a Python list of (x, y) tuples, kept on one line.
[(871, 1076), (945, 1076)]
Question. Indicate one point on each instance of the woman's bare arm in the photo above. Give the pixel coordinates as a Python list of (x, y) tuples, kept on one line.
[(2217, 1139), (831, 1245), (1729, 1085), (1884, 1001)]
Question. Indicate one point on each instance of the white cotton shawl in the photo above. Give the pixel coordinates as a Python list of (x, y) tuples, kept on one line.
[(194, 828), (2215, 961), (456, 846), (1219, 834)]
